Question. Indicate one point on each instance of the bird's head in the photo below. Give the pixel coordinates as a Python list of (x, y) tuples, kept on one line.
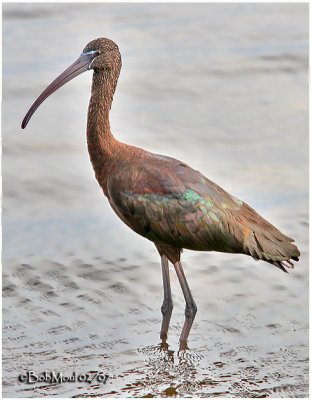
[(100, 55), (104, 54)]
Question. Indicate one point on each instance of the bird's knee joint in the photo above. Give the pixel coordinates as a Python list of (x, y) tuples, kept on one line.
[(191, 310), (167, 307)]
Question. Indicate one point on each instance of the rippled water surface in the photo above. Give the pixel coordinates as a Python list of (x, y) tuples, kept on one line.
[(221, 87)]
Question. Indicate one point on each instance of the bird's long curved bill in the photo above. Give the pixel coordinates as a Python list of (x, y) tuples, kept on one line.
[(75, 69)]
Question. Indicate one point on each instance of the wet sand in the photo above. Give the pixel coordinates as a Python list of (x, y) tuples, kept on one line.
[(81, 292)]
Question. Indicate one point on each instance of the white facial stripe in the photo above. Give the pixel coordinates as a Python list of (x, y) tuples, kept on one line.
[(90, 53), (90, 64)]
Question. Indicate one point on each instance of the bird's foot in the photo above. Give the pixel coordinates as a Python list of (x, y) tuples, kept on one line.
[(183, 345)]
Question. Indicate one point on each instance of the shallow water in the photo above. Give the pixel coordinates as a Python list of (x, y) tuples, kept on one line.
[(221, 87)]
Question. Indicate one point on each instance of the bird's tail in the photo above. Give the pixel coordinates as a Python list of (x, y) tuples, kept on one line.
[(283, 264), (274, 247), (267, 243)]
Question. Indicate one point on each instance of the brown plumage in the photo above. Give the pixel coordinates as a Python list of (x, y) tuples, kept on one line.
[(161, 198)]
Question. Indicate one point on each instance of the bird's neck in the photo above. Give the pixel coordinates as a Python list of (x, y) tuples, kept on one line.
[(101, 143)]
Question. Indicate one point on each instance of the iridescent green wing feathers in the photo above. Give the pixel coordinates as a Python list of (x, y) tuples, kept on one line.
[(169, 202)]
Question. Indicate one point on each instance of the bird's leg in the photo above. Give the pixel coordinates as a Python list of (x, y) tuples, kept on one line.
[(191, 307), (167, 305)]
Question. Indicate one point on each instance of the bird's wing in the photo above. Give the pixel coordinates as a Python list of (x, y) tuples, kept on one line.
[(168, 202)]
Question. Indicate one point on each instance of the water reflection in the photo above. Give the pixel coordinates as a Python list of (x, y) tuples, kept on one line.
[(169, 369)]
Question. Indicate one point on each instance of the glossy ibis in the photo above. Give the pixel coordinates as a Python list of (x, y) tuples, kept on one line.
[(161, 198)]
